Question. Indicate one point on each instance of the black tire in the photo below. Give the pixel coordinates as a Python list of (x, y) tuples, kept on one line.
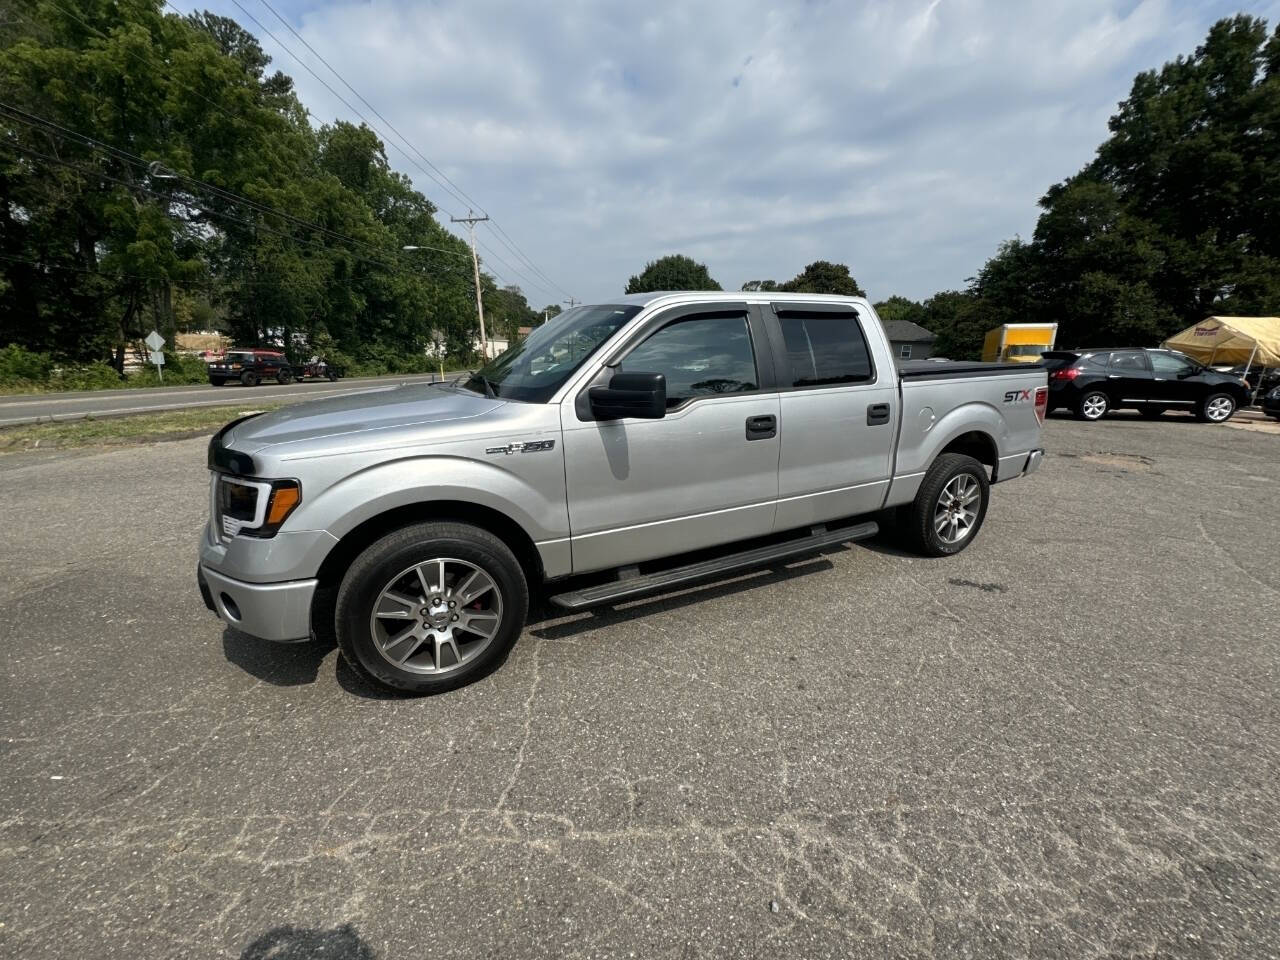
[(249, 378), (332, 375), (919, 520), (1153, 413), (1206, 407), (1088, 402), (1274, 416), (284, 375), (375, 568), (217, 381)]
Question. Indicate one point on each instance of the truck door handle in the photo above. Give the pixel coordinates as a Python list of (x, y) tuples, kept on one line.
[(877, 413), (762, 428)]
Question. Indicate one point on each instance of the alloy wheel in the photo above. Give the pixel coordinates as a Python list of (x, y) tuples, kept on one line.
[(436, 616), (957, 508), (1094, 406), (1219, 408)]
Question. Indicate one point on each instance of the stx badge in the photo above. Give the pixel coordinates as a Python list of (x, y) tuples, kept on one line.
[(1017, 396)]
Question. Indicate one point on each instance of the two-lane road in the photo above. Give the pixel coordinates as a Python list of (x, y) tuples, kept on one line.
[(35, 408)]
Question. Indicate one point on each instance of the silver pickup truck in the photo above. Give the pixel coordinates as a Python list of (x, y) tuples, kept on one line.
[(622, 448)]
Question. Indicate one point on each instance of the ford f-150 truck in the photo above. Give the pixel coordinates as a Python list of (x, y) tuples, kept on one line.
[(622, 448)]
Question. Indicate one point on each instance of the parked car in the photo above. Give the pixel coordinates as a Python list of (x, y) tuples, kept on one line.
[(1271, 403), (1092, 382), (409, 524), (250, 366), (1260, 379)]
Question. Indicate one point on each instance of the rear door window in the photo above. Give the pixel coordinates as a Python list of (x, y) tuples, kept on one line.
[(825, 349), (1131, 363)]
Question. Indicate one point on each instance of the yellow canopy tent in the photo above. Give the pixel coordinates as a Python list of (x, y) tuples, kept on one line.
[(1253, 341)]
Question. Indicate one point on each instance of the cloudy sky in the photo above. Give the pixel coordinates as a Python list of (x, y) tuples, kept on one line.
[(906, 139)]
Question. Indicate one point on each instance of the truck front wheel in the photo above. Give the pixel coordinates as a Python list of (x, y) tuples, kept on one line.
[(949, 506), (431, 607)]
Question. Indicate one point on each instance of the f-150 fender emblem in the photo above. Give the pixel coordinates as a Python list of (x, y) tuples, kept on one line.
[(1017, 396), (534, 446)]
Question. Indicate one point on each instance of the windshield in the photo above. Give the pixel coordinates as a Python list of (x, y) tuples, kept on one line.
[(534, 369)]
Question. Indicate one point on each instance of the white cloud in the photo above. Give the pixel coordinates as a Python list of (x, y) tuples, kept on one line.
[(906, 138)]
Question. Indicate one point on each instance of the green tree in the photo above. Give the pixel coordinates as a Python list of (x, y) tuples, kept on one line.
[(1178, 217), (901, 308), (675, 272), (822, 276), (176, 171)]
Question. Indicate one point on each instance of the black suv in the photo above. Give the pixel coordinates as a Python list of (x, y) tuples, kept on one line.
[(1091, 382)]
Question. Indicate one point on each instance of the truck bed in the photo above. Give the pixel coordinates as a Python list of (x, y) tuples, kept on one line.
[(960, 369)]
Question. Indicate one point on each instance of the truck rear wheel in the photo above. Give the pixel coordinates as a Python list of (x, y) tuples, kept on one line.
[(949, 506), (431, 607)]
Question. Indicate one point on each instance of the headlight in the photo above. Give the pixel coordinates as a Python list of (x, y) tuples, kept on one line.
[(255, 508)]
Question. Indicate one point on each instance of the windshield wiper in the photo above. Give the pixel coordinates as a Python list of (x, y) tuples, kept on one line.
[(488, 387)]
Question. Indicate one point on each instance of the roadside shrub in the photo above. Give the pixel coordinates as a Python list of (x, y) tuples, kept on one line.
[(89, 376), (22, 367), (179, 368)]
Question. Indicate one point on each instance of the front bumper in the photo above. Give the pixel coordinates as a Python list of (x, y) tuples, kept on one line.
[(269, 611)]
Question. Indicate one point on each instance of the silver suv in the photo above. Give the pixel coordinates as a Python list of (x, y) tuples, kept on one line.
[(409, 524)]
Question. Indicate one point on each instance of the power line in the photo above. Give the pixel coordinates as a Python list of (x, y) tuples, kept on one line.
[(203, 208), (458, 193), (35, 121), (341, 99), (520, 253), (448, 185), (153, 65), (181, 284)]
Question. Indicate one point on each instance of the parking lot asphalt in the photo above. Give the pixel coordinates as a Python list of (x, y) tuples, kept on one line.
[(1063, 743)]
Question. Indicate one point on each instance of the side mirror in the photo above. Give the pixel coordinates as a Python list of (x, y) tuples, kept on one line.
[(642, 395)]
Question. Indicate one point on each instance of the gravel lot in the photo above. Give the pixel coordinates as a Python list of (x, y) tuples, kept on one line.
[(1063, 743)]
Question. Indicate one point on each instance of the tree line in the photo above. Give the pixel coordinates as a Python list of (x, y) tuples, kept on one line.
[(154, 173), (1176, 218)]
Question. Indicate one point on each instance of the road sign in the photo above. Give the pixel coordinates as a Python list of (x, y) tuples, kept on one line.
[(154, 342)]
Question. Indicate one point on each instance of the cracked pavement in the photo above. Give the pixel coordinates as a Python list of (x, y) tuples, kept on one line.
[(1062, 743)]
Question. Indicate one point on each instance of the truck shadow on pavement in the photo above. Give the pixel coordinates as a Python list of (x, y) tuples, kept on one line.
[(279, 664), (295, 943), (298, 664)]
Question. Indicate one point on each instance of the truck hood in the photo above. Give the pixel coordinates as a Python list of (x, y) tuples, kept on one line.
[(406, 405)]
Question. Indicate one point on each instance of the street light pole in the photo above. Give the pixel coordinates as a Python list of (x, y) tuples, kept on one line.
[(471, 222)]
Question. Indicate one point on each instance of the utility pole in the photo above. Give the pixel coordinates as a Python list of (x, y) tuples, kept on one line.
[(571, 302), (471, 220)]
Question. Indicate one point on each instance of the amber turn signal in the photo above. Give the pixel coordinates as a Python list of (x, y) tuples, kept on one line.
[(284, 498)]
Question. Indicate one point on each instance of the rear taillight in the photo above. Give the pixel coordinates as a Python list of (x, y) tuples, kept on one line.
[(1042, 403), (1066, 373)]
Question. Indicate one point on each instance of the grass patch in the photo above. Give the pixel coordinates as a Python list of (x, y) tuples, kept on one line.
[(121, 431)]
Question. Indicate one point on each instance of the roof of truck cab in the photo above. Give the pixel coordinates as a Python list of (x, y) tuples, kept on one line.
[(731, 296)]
